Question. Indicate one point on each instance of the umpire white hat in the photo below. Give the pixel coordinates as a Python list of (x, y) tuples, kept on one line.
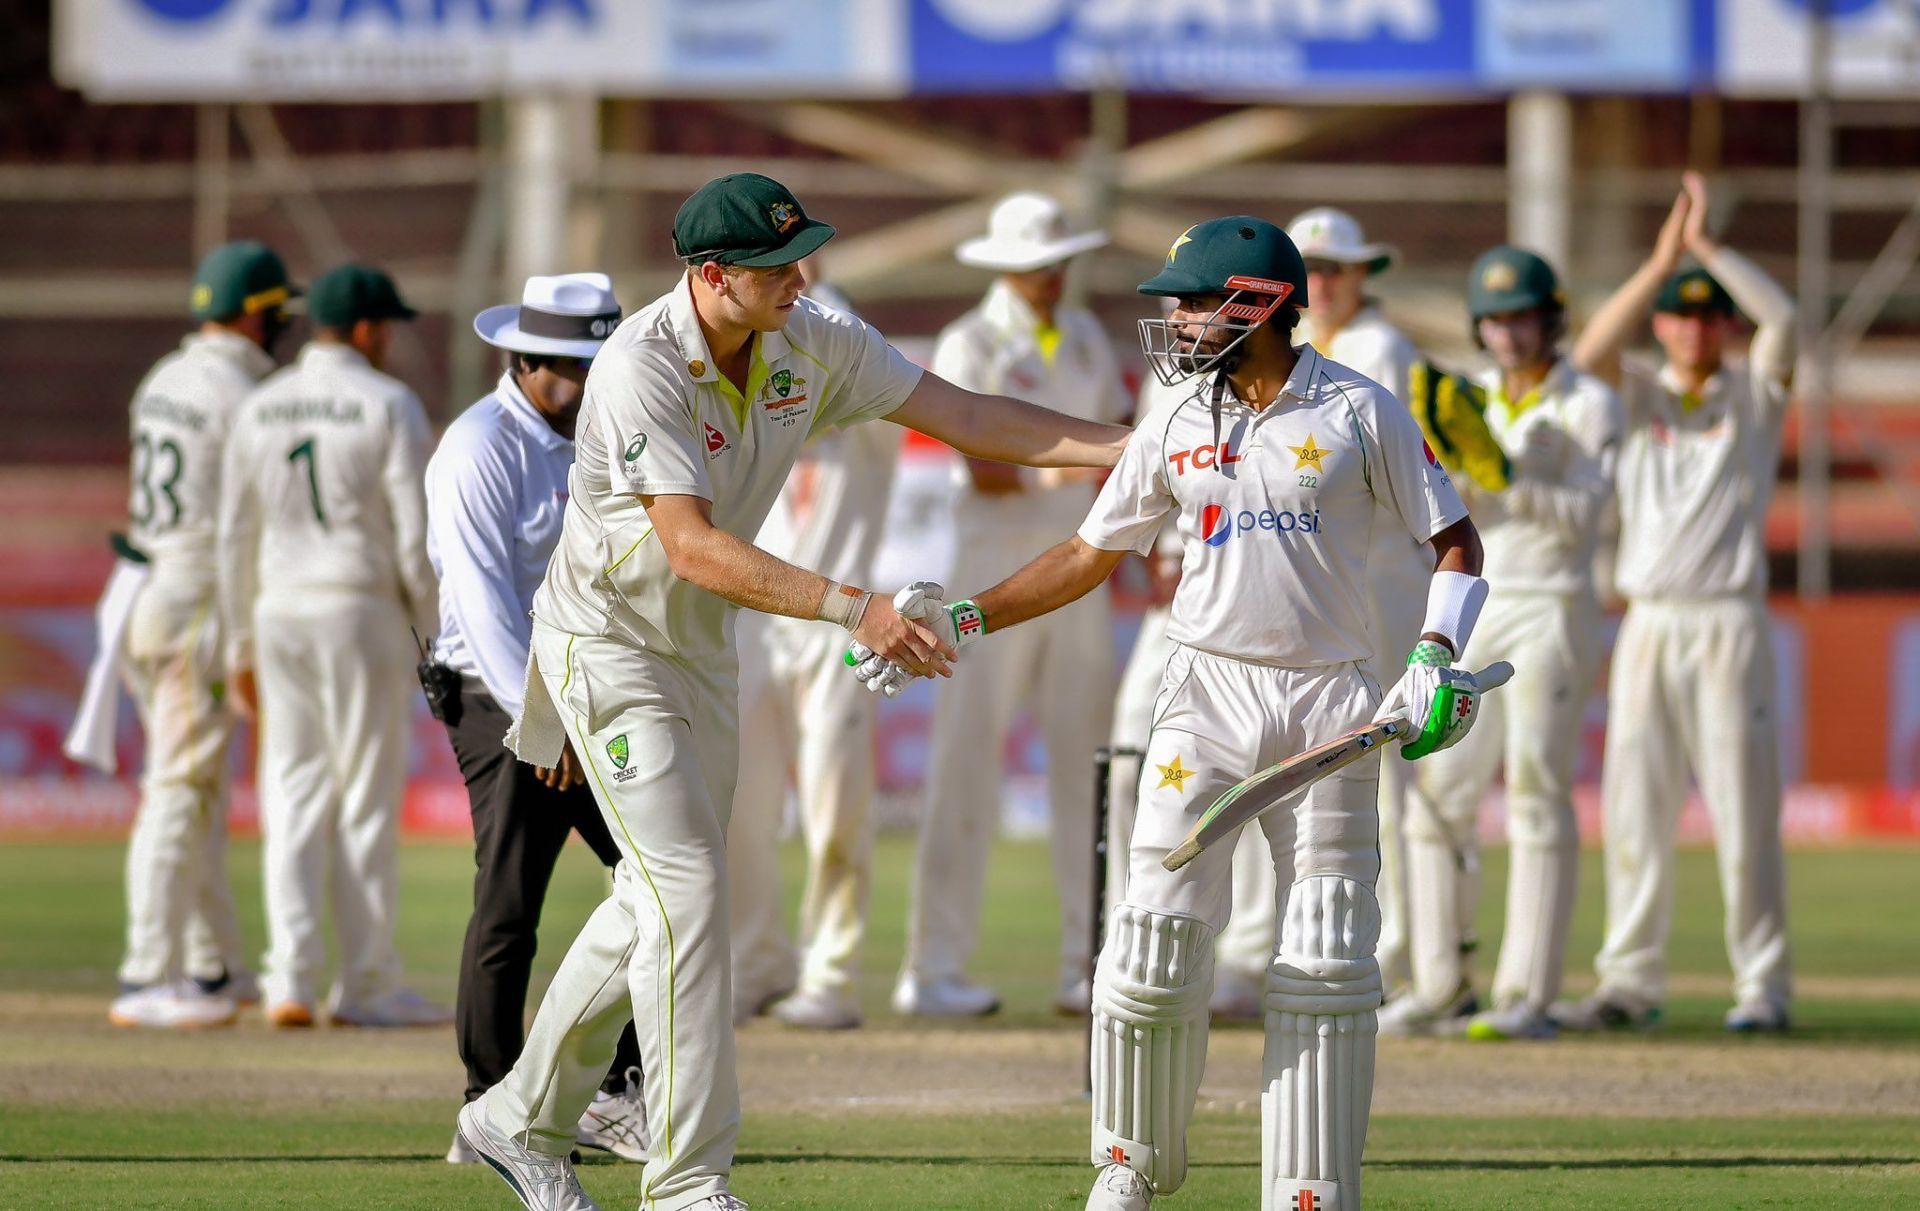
[(1327, 234), (1026, 231), (566, 315)]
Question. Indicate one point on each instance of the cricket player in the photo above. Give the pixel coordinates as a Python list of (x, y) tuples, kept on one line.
[(1273, 658), (496, 492), (183, 965), (695, 413), (1346, 325), (1560, 431), (1023, 341), (323, 569), (1693, 672), (816, 728)]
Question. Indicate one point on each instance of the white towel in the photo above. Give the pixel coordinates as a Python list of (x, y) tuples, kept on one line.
[(537, 736), (96, 724)]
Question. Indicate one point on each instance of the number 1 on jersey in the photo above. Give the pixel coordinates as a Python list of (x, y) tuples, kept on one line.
[(304, 451)]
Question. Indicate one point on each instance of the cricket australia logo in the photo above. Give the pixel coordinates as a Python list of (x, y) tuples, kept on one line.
[(784, 216), (618, 753)]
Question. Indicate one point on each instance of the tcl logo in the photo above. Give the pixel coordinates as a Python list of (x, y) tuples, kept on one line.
[(1203, 457)]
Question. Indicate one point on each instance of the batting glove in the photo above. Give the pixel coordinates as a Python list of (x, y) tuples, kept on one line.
[(1437, 700)]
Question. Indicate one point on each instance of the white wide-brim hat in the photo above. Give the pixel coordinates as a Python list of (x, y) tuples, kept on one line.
[(1026, 231), (1327, 234), (566, 315)]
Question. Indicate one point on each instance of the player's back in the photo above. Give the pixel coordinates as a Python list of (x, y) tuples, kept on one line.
[(331, 451), (180, 417)]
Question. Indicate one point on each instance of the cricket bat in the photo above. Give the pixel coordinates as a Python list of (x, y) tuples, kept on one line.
[(1253, 796)]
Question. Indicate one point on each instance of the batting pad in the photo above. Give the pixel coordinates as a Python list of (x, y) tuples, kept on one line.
[(1317, 1087), (1149, 1040)]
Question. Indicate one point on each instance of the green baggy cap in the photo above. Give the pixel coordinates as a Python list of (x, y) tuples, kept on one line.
[(1692, 291), (242, 278), (746, 219), (1507, 279), (342, 297)]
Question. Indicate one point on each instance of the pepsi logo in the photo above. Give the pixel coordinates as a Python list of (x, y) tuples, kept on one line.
[(184, 10), (1216, 525)]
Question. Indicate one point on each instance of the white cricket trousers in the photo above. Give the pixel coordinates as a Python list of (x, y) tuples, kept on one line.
[(1692, 692), (336, 681), (811, 725), (1132, 722), (1530, 731), (659, 739), (1062, 667), (1246, 944), (180, 914)]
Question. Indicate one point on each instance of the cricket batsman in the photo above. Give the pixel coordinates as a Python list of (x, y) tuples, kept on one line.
[(695, 412), (1693, 671), (1273, 468)]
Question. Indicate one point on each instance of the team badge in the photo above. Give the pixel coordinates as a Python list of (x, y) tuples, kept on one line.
[(1500, 276), (617, 750), (1309, 455), (784, 216), (782, 383), (1695, 290), (1174, 774), (1186, 237)]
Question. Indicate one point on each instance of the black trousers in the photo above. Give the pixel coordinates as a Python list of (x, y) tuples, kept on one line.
[(519, 826)]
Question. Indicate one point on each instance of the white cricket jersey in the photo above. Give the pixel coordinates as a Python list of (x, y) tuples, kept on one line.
[(496, 494), (1540, 534), (181, 415), (1276, 508), (1401, 565), (995, 349), (323, 490), (1695, 483), (660, 420)]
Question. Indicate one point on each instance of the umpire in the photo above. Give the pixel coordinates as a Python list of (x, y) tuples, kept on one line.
[(496, 493)]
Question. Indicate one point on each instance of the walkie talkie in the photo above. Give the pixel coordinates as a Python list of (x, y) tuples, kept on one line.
[(442, 684)]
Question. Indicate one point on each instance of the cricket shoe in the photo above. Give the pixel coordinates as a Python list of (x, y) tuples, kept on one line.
[(1075, 997), (1603, 1011), (946, 997), (750, 1002), (820, 1009), (460, 1153), (1119, 1188), (722, 1201), (1763, 1016), (401, 1007), (1516, 1021), (1408, 1017), (617, 1122), (1237, 996), (290, 1015), (541, 1182), (180, 1005)]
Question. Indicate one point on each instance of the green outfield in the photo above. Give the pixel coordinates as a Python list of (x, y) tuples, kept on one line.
[(984, 1116)]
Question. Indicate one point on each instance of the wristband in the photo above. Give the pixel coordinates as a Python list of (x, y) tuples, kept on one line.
[(1453, 606), (843, 605)]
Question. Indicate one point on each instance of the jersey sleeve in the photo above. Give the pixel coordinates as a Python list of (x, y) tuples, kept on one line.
[(404, 474), (472, 511), (1135, 500), (647, 432), (867, 378), (1408, 478), (237, 547)]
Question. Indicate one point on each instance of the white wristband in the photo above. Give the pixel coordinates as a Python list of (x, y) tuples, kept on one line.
[(1453, 606), (843, 604)]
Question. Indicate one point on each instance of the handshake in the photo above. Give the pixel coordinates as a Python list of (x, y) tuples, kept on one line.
[(954, 625)]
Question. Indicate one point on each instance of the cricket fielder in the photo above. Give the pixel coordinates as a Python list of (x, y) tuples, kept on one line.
[(323, 568), (1273, 658), (183, 963), (1693, 673), (1560, 431), (816, 729), (695, 413), (1346, 325), (1023, 341)]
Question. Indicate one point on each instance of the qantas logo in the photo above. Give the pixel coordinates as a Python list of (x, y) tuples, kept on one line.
[(1204, 457), (717, 442), (1219, 524)]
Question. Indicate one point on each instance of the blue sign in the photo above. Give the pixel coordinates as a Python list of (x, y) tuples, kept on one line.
[(1274, 47)]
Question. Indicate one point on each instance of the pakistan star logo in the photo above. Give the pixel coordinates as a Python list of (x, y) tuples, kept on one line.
[(617, 749), (783, 382), (1186, 237), (1174, 774), (1309, 455)]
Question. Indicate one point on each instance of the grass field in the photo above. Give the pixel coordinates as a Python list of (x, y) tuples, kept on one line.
[(986, 1115)]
